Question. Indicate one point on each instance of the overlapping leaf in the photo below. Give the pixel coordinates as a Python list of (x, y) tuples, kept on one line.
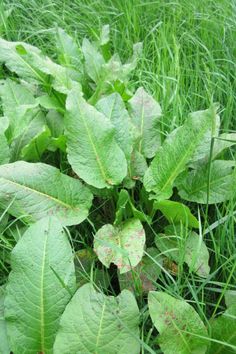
[(121, 245), (92, 150), (96, 323), (145, 114), (4, 147), (180, 327), (36, 190), (40, 285), (4, 345), (172, 157), (208, 184)]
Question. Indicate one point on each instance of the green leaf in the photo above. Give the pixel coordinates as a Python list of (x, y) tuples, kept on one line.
[(19, 106), (4, 345), (186, 246), (37, 190), (30, 133), (68, 50), (145, 115), (193, 186), (4, 147), (113, 108), (40, 285), (230, 297), (121, 245), (29, 63), (223, 142), (142, 278), (34, 150), (172, 158), (96, 323), (50, 102), (94, 60), (104, 35), (224, 330), (180, 327), (176, 213), (92, 151), (125, 207)]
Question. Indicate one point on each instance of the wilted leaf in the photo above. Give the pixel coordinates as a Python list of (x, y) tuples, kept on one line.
[(40, 285), (121, 245), (177, 213), (180, 327), (193, 186), (145, 115), (92, 150), (172, 158), (37, 190), (96, 323)]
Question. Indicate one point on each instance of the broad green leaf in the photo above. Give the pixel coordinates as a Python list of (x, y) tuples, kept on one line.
[(176, 213), (230, 297), (19, 106), (40, 285), (145, 114), (34, 150), (4, 345), (172, 158), (180, 328), (113, 108), (17, 56), (68, 50), (96, 323), (35, 128), (143, 277), (94, 60), (123, 245), (92, 151), (193, 185), (29, 63), (224, 330), (189, 248), (51, 102), (55, 122), (37, 190)]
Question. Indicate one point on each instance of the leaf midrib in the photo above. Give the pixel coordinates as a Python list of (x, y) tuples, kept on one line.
[(40, 193), (105, 177), (42, 311), (182, 160)]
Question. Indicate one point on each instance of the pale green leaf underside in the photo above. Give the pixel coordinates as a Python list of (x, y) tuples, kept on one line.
[(40, 285), (96, 323), (114, 109), (121, 245), (145, 113), (36, 190), (173, 318), (92, 150), (172, 157), (221, 182)]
